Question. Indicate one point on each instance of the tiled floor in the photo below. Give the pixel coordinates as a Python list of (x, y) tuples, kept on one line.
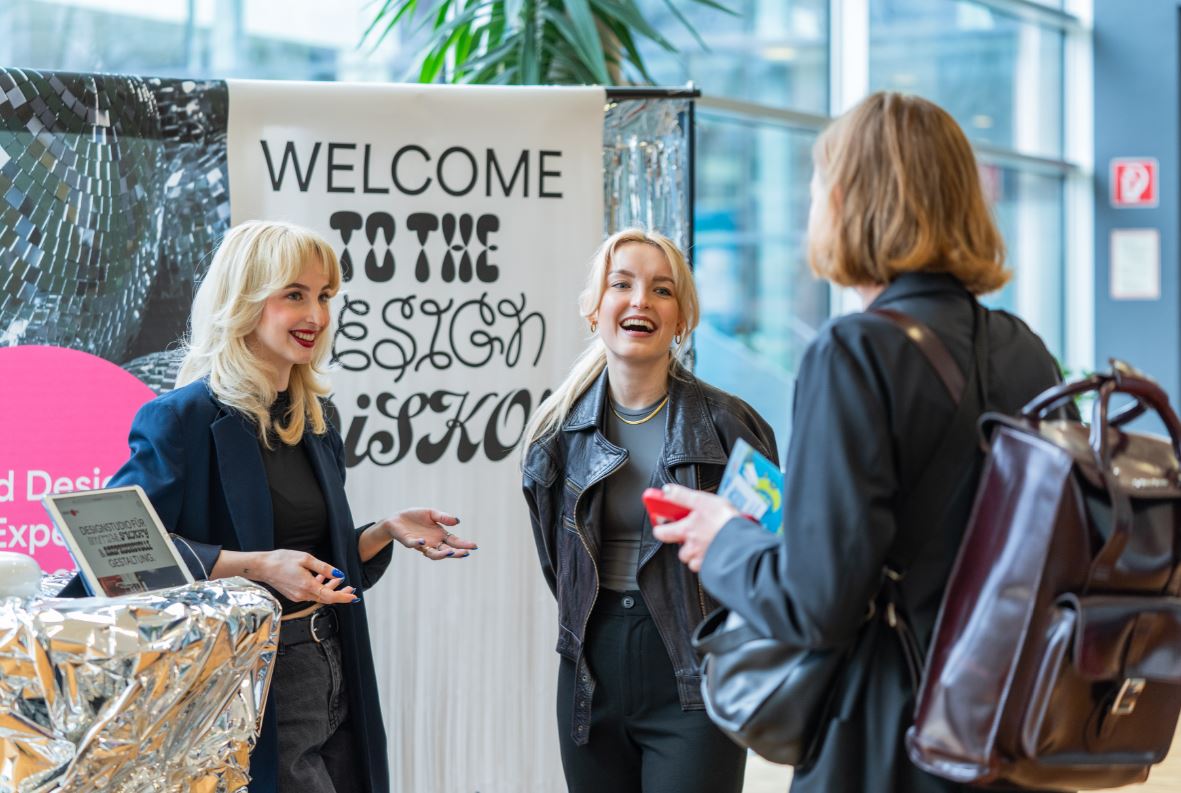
[(764, 777)]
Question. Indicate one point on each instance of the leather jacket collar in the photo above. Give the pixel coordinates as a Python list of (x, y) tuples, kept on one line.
[(689, 434)]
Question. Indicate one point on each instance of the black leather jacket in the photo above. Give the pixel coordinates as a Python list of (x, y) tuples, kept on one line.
[(564, 474)]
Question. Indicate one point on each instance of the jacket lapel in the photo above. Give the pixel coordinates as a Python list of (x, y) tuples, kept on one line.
[(244, 481), (690, 439), (690, 435)]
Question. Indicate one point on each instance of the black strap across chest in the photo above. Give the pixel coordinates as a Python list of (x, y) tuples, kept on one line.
[(926, 503), (927, 500)]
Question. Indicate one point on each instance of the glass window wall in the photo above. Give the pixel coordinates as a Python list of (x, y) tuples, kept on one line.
[(1028, 208), (216, 39), (760, 304), (1000, 77), (997, 69), (773, 52)]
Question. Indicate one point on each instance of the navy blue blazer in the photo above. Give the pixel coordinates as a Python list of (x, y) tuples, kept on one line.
[(201, 466)]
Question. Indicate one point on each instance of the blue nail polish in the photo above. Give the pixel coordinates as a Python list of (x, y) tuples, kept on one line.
[(336, 573)]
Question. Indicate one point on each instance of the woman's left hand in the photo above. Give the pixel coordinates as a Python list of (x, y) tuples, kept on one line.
[(695, 532), (426, 531)]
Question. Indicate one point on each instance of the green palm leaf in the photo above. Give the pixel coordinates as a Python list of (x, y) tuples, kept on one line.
[(581, 23), (528, 42), (625, 15)]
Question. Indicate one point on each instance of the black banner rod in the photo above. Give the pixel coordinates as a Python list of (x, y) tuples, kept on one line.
[(652, 92)]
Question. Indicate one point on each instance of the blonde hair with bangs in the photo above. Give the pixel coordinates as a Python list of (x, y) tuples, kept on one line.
[(590, 363), (255, 260), (904, 196)]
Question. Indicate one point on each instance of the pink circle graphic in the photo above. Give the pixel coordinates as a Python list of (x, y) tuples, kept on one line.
[(66, 415)]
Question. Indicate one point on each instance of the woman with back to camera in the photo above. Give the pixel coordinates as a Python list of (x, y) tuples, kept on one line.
[(627, 417), (898, 214), (243, 467)]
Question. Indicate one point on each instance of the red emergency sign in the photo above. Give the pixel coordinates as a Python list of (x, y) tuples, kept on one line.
[(1135, 182)]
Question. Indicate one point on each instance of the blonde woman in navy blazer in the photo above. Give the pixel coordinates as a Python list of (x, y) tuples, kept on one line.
[(206, 456)]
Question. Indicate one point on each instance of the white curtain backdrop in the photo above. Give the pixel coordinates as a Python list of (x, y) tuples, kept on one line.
[(444, 346)]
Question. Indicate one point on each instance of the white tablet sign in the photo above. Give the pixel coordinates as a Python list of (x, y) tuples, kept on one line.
[(117, 540)]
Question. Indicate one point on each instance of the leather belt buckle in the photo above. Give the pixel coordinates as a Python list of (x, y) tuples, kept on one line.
[(321, 612)]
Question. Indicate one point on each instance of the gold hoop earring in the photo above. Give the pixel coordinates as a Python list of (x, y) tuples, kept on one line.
[(594, 326)]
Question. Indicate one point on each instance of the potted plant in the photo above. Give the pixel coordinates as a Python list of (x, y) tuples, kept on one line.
[(531, 42)]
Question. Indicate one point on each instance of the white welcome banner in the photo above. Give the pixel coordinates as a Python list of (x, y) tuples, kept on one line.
[(465, 218)]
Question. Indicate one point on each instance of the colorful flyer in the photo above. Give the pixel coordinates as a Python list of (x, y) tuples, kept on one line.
[(754, 485)]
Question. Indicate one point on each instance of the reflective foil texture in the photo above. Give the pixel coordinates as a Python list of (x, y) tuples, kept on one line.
[(161, 691), (646, 169), (113, 194)]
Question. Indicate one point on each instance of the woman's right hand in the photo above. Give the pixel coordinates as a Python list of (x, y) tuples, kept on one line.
[(300, 577)]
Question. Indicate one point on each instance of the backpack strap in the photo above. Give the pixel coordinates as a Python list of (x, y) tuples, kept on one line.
[(932, 348), (942, 476)]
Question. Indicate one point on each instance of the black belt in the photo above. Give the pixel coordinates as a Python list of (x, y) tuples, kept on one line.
[(315, 627)]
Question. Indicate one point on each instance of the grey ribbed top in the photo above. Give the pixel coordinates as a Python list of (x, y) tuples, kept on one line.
[(623, 511)]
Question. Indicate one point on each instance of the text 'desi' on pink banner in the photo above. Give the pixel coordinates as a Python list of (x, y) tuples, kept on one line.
[(65, 419)]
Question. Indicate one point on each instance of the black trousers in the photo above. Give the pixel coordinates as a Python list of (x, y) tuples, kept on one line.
[(317, 753), (640, 739)]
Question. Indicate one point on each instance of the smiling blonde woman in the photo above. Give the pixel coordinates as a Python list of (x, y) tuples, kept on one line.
[(630, 416), (245, 470)]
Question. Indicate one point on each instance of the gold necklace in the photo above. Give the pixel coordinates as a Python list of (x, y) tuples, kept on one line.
[(650, 416)]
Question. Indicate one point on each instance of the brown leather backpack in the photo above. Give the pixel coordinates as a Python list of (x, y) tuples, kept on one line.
[(1056, 659)]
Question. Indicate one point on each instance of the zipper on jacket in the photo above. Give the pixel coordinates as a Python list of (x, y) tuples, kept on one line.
[(697, 576), (586, 545), (668, 647), (668, 478)]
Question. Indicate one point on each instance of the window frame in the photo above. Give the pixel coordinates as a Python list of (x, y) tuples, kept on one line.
[(848, 46)]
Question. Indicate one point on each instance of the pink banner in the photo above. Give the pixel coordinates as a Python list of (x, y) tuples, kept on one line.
[(66, 414)]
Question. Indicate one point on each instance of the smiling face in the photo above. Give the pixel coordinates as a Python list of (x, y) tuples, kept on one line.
[(638, 315), (293, 320)]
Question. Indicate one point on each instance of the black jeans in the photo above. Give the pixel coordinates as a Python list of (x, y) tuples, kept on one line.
[(640, 739), (317, 753)]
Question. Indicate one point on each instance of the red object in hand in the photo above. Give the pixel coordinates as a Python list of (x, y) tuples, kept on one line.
[(660, 509)]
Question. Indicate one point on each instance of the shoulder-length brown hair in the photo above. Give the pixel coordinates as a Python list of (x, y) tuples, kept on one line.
[(904, 196)]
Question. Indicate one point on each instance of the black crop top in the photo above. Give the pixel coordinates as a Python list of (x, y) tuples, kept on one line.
[(300, 514)]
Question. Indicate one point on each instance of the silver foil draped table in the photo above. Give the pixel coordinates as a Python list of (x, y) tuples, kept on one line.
[(158, 691)]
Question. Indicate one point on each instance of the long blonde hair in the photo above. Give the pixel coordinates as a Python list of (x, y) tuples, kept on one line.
[(255, 260), (904, 195), (590, 363)]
